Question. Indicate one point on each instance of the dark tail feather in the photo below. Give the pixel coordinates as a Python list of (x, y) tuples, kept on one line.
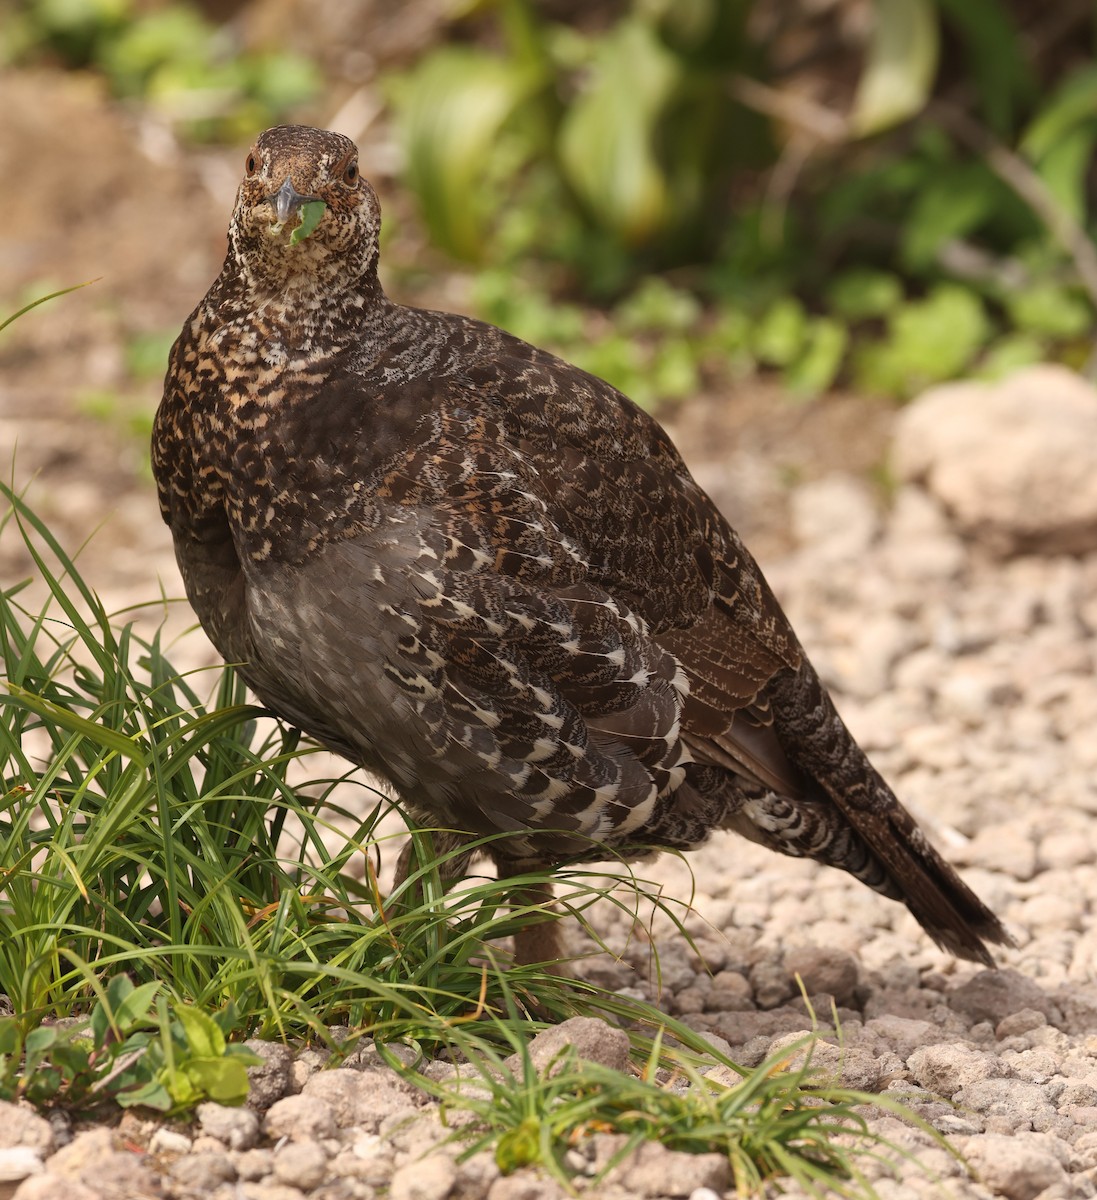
[(946, 908), (851, 819), (889, 853)]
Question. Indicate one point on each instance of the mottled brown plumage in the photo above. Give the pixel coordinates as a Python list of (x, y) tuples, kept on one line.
[(488, 576)]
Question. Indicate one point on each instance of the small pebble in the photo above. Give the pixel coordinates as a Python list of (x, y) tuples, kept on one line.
[(17, 1162), (301, 1164), (237, 1128), (169, 1141)]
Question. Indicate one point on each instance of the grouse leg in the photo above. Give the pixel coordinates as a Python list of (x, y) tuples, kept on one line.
[(542, 942)]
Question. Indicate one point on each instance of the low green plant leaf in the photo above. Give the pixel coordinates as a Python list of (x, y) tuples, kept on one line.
[(43, 1085), (824, 352), (182, 1089), (1051, 310), (927, 341), (38, 1043), (311, 212), (1010, 353), (73, 1059), (135, 1008), (203, 1035), (152, 1094), (674, 371), (656, 306), (224, 1080), (282, 81), (170, 36), (779, 336), (864, 292)]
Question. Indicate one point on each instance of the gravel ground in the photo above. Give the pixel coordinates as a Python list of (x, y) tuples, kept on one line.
[(969, 677)]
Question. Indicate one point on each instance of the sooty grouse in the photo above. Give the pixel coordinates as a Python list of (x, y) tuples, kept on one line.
[(488, 576)]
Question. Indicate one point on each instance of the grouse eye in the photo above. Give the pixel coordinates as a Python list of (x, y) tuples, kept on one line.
[(350, 173), (252, 165)]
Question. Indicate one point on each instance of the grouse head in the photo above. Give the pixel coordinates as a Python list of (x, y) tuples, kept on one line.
[(304, 214)]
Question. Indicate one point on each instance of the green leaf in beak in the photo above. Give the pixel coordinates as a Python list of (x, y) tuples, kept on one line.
[(311, 212)]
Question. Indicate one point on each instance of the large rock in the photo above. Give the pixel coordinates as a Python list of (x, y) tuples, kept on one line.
[(994, 995), (946, 1068), (593, 1040), (1014, 462), (1019, 1169), (824, 969)]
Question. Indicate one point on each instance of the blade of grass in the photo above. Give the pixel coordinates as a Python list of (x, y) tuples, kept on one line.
[(42, 300)]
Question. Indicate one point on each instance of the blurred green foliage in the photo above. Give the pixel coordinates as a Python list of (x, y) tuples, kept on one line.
[(930, 217), (170, 56), (688, 189)]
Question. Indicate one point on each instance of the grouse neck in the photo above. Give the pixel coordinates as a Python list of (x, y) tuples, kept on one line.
[(299, 320)]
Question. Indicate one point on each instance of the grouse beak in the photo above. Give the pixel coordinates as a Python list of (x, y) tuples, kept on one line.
[(286, 201)]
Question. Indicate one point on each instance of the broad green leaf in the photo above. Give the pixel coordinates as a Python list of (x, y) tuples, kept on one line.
[(204, 1036), (311, 212), (117, 990), (222, 1079), (151, 1095), (1001, 73), (1011, 352), (817, 367), (1060, 141), (1066, 169), (607, 138), (283, 81), (10, 1035), (957, 201), (1074, 102), (945, 330), (173, 35), (902, 63), (453, 108), (182, 1089), (674, 374), (37, 1045), (927, 341), (44, 1084), (135, 1007), (72, 1059), (100, 1024), (658, 306), (779, 336), (1050, 309), (862, 292)]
